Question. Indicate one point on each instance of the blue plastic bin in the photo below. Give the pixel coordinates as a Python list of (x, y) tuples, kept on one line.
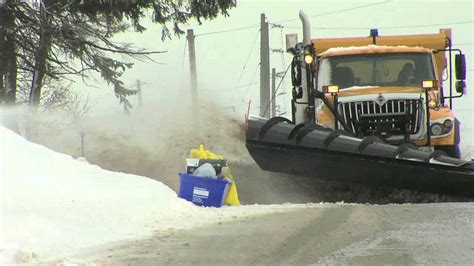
[(203, 191)]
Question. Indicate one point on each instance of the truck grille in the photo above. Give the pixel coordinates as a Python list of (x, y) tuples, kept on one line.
[(395, 117)]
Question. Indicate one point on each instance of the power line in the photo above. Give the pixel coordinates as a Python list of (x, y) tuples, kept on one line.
[(234, 107), (336, 11), (274, 93), (251, 80), (232, 89), (460, 44), (247, 59), (392, 27), (226, 31), (428, 25)]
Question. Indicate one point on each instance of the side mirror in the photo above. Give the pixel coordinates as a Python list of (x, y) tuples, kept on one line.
[(292, 51), (460, 67), (296, 72), (460, 86), (291, 41), (297, 93)]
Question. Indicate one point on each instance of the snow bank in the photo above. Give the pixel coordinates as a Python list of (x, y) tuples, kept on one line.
[(371, 48), (53, 205)]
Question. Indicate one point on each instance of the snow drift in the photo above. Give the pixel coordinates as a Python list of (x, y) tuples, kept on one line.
[(53, 206)]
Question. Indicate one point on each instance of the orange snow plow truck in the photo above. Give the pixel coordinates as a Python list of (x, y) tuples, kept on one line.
[(374, 110), (390, 86)]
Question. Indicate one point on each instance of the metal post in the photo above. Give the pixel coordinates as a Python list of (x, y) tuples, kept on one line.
[(139, 92), (192, 67), (264, 68), (273, 92), (82, 144), (450, 78)]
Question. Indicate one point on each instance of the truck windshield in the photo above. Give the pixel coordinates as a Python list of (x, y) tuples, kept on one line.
[(389, 69)]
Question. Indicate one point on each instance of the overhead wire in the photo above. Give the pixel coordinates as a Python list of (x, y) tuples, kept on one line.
[(428, 25), (460, 44), (363, 28), (392, 27), (289, 20), (238, 106), (250, 84), (276, 90), (233, 88), (337, 11), (247, 59), (226, 31)]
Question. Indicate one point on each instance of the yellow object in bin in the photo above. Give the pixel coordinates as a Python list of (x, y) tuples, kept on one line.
[(232, 197), (204, 154)]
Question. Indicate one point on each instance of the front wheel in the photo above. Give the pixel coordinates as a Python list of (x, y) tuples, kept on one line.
[(450, 150)]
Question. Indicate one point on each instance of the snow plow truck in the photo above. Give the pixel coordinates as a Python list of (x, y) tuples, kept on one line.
[(370, 110)]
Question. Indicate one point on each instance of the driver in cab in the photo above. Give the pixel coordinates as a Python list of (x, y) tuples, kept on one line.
[(407, 75)]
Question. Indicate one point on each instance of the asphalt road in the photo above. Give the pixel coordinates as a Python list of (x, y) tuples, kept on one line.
[(440, 233)]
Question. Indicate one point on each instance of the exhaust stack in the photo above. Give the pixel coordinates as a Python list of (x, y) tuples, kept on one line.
[(306, 28)]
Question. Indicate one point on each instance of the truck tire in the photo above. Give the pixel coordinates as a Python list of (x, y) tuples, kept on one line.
[(450, 150)]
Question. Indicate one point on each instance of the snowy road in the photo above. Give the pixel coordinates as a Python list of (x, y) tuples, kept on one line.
[(58, 209), (355, 234)]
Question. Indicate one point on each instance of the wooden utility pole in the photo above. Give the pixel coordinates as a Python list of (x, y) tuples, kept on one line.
[(192, 67), (273, 92), (139, 92), (264, 68)]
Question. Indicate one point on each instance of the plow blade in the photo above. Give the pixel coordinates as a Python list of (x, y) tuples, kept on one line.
[(277, 145)]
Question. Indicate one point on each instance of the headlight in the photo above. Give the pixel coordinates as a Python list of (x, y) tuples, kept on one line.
[(436, 129), (432, 104), (308, 59), (448, 123), (439, 129)]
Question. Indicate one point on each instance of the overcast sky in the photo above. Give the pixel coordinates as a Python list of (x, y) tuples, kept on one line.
[(227, 59)]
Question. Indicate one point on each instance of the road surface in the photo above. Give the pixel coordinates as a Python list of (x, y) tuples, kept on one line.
[(441, 233)]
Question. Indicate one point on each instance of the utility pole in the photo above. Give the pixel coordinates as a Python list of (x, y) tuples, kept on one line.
[(192, 67), (273, 92), (139, 92), (264, 68)]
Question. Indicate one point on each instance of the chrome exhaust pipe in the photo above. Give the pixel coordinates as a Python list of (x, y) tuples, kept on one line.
[(306, 28)]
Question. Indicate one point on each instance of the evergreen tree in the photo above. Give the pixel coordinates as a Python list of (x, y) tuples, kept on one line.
[(51, 40)]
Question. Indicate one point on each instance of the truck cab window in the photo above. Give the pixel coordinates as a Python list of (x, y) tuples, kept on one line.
[(376, 70)]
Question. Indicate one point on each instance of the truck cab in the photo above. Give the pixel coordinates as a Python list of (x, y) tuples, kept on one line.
[(381, 93), (385, 86)]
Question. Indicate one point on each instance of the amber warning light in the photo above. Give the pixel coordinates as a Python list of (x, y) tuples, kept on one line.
[(429, 84), (331, 89)]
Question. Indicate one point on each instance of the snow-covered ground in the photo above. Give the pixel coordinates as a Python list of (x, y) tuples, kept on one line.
[(53, 206)]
